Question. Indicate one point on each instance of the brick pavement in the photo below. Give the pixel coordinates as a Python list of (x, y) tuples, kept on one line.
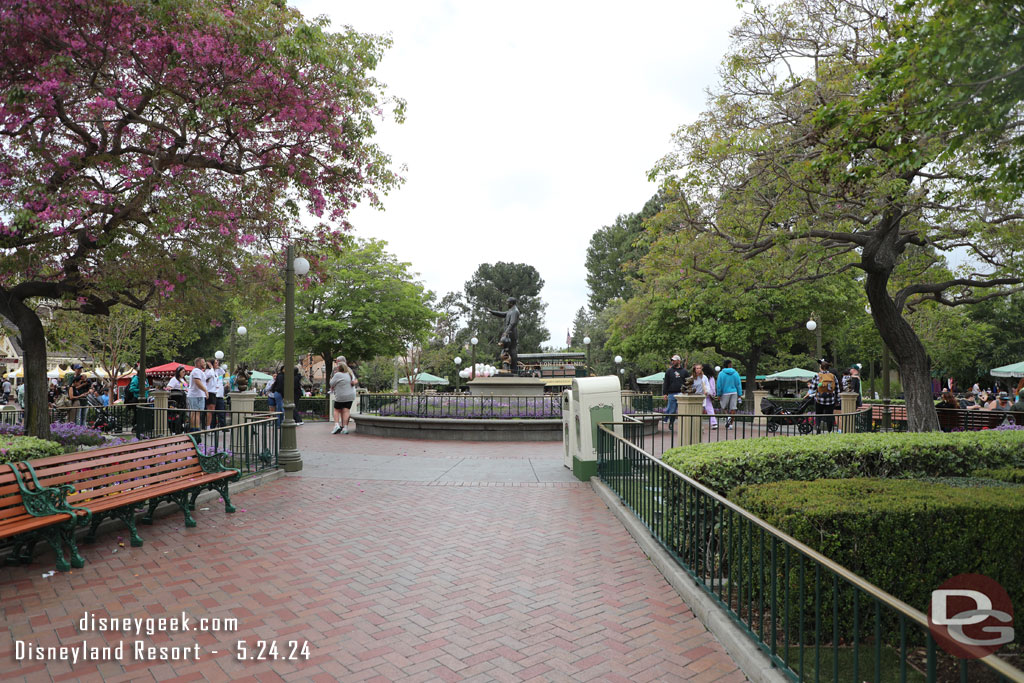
[(410, 580)]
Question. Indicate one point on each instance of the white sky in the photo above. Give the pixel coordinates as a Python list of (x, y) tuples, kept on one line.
[(529, 126)]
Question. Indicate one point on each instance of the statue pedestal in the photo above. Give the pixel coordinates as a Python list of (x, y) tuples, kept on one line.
[(506, 386)]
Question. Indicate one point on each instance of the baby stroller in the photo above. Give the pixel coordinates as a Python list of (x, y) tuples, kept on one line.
[(102, 420), (176, 415), (779, 416)]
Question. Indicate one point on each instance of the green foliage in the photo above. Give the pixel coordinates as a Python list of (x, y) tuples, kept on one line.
[(377, 374), (1014, 475), (490, 286), (361, 302), (726, 465), (613, 255), (878, 528), (17, 448)]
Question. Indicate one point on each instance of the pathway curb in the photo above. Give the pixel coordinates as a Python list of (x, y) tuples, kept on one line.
[(754, 663)]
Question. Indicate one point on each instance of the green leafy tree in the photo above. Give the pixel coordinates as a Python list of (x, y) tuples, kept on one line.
[(614, 252), (155, 149), (488, 289), (113, 340), (797, 149), (364, 303)]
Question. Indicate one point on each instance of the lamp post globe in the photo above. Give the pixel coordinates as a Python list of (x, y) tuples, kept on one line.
[(219, 355), (472, 362), (811, 325), (242, 330), (618, 360), (301, 266)]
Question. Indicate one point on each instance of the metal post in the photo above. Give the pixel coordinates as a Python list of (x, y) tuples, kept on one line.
[(289, 458), (885, 371), (472, 364), (817, 333), (234, 367)]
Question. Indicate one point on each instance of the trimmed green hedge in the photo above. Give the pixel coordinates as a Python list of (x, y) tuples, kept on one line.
[(905, 537), (726, 465), (15, 448), (1014, 475)]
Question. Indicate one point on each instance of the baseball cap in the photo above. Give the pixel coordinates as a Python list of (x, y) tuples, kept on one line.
[(76, 366), (676, 357)]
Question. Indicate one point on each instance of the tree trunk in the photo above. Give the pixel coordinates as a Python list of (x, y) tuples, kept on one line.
[(906, 347), (33, 342), (751, 363)]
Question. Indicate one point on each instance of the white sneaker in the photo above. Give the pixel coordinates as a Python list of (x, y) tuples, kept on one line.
[(337, 428), (344, 431)]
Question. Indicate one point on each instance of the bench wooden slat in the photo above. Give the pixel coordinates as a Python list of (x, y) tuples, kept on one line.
[(127, 449), (93, 479), (61, 463)]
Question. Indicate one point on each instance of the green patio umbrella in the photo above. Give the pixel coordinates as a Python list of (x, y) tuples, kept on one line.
[(656, 378), (258, 376), (793, 374), (1014, 370), (425, 378)]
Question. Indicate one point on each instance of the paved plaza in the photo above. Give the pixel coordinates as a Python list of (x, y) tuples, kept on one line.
[(393, 560)]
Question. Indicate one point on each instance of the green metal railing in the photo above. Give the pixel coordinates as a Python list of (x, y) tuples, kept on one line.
[(251, 445), (814, 619), (457, 406), (119, 418)]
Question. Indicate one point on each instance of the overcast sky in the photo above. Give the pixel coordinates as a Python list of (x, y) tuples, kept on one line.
[(529, 126)]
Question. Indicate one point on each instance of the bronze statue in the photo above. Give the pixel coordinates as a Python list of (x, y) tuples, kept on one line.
[(509, 336)]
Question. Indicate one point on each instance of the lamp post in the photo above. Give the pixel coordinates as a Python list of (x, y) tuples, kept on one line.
[(618, 365), (472, 359), (290, 459), (813, 326), (586, 342), (458, 362)]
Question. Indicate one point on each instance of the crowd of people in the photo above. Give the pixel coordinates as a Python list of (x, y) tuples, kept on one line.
[(724, 385)]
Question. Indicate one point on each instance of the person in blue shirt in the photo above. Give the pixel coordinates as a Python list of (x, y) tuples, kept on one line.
[(729, 389)]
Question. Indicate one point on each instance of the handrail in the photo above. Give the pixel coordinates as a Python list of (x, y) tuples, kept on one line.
[(1000, 666)]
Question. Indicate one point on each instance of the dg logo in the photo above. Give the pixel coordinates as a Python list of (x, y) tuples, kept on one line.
[(971, 616)]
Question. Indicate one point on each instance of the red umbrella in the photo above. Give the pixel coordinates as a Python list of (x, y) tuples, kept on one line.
[(167, 369)]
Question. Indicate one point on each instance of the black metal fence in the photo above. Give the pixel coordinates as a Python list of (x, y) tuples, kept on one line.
[(455, 406), (815, 619)]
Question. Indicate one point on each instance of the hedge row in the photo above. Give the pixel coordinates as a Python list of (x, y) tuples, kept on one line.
[(904, 536), (726, 465), (1014, 475), (16, 448)]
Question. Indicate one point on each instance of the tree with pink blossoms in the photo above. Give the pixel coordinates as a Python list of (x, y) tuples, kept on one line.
[(153, 152)]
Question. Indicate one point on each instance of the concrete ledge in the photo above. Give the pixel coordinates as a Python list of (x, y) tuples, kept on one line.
[(754, 663), (110, 525), (452, 429)]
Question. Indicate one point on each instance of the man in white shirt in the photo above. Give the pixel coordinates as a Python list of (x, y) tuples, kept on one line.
[(197, 393)]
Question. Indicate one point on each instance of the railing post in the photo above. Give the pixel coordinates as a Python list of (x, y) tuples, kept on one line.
[(241, 408), (847, 406), (160, 412), (688, 424)]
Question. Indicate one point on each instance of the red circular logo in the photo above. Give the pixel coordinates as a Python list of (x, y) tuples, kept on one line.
[(970, 616)]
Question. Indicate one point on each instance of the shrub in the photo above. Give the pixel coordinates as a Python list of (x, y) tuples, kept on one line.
[(726, 465), (16, 448), (1014, 475), (906, 537)]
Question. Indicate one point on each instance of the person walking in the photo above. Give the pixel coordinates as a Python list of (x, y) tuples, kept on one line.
[(825, 391), (675, 376), (7, 391), (343, 384), (730, 386), (197, 393), (705, 385), (275, 395), (297, 389)]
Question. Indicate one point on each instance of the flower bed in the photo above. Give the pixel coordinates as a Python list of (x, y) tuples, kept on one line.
[(67, 434), (468, 407)]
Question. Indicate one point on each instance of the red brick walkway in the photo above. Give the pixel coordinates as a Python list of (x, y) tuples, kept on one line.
[(385, 580)]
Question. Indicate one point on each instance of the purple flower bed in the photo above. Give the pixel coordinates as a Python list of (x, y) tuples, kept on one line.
[(474, 408), (67, 434)]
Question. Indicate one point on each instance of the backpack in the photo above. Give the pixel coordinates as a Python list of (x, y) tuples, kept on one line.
[(826, 383)]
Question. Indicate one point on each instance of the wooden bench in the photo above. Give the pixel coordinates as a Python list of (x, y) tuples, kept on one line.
[(974, 420), (32, 513), (897, 413), (118, 482)]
